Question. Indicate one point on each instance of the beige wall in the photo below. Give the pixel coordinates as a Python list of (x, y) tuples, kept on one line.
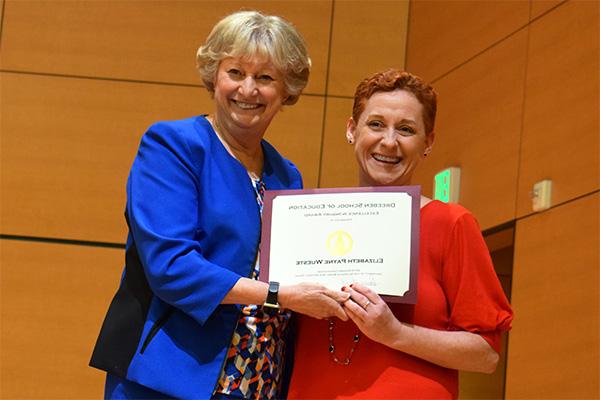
[(81, 81)]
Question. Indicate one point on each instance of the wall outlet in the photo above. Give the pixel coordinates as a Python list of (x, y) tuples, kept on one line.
[(541, 195)]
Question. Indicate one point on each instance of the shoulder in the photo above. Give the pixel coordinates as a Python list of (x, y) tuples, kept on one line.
[(276, 164), (195, 129), (445, 213)]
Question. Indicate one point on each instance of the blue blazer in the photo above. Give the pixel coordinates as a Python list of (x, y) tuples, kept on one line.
[(194, 230)]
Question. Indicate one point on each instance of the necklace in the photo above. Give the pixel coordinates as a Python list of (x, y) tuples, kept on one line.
[(334, 358)]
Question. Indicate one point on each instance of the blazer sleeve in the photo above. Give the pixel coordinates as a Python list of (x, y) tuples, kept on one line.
[(162, 210), (476, 299)]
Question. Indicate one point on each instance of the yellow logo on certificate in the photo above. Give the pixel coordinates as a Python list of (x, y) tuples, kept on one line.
[(339, 243)]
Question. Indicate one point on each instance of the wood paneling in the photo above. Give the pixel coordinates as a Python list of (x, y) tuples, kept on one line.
[(500, 240), (561, 123), (367, 37), (479, 386), (296, 133), (491, 386), (54, 298), (478, 129), (445, 34), (140, 40), (539, 7), (553, 350), (1, 14), (339, 167), (68, 144)]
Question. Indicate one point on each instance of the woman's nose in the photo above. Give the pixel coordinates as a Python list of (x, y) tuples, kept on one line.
[(389, 138), (248, 86)]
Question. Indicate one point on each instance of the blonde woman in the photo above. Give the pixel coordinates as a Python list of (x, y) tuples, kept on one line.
[(188, 320)]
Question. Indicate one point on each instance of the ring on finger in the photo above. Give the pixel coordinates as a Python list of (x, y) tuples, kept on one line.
[(366, 304)]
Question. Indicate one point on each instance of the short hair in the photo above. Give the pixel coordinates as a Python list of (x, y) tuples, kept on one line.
[(395, 79), (250, 33)]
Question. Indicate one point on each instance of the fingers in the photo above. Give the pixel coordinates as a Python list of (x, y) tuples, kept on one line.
[(366, 292), (341, 313), (355, 312), (358, 298), (340, 297)]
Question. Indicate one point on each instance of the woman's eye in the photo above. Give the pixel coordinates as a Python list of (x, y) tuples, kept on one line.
[(375, 124), (234, 72), (406, 130), (265, 78)]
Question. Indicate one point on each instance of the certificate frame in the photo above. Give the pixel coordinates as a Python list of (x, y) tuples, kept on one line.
[(414, 193)]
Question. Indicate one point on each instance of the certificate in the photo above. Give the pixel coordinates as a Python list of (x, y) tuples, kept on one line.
[(336, 237)]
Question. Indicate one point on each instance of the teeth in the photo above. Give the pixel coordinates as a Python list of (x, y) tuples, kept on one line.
[(386, 159), (247, 106)]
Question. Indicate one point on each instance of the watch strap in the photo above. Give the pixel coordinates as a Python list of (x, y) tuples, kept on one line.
[(272, 295)]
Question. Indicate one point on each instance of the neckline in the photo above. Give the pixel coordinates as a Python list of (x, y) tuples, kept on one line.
[(216, 138)]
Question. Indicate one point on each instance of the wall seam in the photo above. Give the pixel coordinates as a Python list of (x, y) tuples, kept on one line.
[(563, 203), (410, 2), (2, 22), (123, 80), (326, 96), (469, 59), (73, 242), (516, 199)]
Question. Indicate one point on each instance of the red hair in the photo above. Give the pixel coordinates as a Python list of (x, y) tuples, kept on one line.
[(394, 79)]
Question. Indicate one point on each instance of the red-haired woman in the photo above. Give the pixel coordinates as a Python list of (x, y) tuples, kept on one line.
[(398, 350)]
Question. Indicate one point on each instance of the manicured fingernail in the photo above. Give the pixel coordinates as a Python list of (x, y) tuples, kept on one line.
[(344, 288)]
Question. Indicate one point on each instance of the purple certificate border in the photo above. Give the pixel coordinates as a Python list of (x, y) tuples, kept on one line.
[(410, 297)]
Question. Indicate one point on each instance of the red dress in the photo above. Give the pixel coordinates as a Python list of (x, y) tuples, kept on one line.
[(457, 290)]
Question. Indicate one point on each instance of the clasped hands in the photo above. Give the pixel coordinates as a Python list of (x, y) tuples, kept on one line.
[(356, 302)]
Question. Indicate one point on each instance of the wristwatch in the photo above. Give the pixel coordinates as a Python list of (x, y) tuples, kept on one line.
[(271, 300)]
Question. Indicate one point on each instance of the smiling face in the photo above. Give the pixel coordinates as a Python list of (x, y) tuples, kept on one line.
[(248, 93), (389, 138)]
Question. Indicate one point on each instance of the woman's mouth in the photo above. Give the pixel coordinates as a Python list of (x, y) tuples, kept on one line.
[(246, 106), (386, 159)]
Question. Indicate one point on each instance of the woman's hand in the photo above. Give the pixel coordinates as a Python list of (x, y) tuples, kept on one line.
[(314, 300), (371, 314), (451, 349)]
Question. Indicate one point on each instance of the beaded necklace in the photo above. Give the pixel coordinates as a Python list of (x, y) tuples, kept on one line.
[(334, 358)]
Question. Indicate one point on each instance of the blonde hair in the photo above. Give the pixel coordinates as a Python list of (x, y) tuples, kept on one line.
[(250, 33)]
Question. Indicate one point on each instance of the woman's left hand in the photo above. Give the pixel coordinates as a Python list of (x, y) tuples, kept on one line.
[(371, 314)]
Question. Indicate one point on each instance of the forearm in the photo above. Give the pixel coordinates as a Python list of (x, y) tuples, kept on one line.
[(247, 291), (311, 299), (451, 349)]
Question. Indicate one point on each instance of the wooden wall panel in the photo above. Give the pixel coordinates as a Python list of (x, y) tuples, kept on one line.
[(445, 34), (140, 40), (561, 121), (54, 298), (296, 133), (367, 37), (339, 167), (553, 350), (1, 14), (478, 127), (67, 145), (538, 7)]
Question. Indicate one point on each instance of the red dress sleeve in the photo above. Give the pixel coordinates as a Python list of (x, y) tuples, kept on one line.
[(475, 297)]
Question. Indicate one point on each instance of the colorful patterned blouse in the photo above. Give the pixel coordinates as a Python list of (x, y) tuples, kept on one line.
[(254, 361)]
